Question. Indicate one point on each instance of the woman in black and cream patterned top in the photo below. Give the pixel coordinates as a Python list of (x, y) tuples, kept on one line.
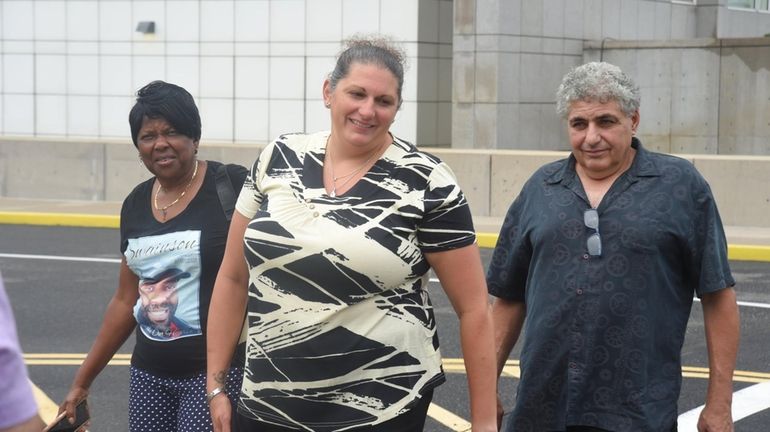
[(339, 230)]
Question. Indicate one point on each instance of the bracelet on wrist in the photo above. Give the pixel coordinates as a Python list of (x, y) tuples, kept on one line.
[(213, 393)]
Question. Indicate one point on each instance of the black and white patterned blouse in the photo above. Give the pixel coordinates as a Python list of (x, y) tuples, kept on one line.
[(341, 331)]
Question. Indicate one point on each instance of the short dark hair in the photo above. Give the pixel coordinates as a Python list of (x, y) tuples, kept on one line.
[(170, 102), (372, 49)]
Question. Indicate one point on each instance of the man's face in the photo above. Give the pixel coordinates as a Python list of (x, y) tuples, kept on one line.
[(159, 301), (600, 135)]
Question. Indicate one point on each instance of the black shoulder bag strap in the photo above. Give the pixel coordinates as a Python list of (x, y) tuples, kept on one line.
[(225, 191)]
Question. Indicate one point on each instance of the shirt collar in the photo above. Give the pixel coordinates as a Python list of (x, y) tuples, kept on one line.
[(643, 165)]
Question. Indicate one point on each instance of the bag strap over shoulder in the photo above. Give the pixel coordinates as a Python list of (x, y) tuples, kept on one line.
[(225, 191)]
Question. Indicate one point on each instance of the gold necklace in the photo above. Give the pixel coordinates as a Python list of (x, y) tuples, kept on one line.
[(162, 210), (348, 176)]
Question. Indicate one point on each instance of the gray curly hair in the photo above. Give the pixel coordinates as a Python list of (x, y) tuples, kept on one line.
[(601, 82)]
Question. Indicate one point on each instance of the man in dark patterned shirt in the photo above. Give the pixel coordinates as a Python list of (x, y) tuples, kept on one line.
[(602, 253)]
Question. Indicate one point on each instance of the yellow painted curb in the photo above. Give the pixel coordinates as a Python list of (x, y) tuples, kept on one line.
[(740, 252), (60, 219), (486, 240)]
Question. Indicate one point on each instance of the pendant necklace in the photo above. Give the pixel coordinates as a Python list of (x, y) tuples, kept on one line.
[(163, 210), (348, 176)]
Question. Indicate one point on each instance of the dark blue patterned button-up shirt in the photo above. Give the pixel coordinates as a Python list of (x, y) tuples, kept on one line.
[(603, 334)]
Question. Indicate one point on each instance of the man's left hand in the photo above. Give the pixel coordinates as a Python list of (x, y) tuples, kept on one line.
[(715, 419)]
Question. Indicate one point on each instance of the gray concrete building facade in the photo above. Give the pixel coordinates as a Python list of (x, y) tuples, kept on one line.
[(703, 91), (482, 73)]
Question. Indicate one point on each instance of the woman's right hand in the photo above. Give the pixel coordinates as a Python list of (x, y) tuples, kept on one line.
[(221, 413), (75, 395)]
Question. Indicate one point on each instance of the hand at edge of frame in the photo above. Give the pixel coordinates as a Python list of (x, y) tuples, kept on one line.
[(221, 412), (716, 419)]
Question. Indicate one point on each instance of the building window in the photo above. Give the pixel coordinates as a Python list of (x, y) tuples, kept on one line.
[(748, 4)]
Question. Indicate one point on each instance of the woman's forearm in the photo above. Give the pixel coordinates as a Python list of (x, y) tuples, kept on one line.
[(226, 318), (227, 309), (476, 335)]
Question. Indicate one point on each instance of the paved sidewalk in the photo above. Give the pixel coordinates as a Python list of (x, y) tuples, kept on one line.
[(752, 243), (103, 208)]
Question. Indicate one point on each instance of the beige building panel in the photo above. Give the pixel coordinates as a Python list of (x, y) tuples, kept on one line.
[(55, 170), (123, 170), (741, 187), (472, 169), (510, 170)]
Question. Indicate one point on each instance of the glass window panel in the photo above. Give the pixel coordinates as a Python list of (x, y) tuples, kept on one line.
[(747, 4)]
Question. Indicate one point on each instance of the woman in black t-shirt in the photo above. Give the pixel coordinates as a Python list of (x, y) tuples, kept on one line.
[(173, 234)]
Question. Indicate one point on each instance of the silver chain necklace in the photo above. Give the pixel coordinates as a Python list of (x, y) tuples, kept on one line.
[(349, 176)]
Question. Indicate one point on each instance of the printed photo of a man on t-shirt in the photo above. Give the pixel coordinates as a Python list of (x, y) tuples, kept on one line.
[(159, 301)]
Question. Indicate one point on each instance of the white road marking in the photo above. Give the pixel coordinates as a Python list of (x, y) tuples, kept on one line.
[(60, 258), (117, 260), (746, 402), (47, 408), (448, 418), (746, 304)]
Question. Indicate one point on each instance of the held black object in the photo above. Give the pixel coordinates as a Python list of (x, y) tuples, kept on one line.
[(62, 423)]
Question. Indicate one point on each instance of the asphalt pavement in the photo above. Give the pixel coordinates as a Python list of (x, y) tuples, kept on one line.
[(59, 280), (64, 271)]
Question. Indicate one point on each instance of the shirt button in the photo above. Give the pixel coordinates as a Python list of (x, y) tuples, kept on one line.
[(312, 206), (315, 214), (572, 365), (307, 200), (579, 291), (585, 256)]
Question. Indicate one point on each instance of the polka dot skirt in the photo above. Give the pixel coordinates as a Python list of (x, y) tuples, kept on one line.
[(161, 404)]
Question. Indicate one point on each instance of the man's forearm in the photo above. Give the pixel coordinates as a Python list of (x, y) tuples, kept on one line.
[(508, 319), (721, 319)]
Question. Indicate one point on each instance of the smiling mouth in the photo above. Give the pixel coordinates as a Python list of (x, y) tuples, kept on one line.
[(158, 312), (164, 160), (361, 125)]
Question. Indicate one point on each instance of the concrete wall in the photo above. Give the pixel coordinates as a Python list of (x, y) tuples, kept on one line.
[(510, 56), (108, 170), (738, 23), (255, 67), (698, 95)]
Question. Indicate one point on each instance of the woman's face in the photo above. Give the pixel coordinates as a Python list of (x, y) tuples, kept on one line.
[(363, 105), (165, 152)]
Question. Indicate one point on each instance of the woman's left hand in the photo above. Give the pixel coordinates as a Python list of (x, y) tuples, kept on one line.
[(221, 413)]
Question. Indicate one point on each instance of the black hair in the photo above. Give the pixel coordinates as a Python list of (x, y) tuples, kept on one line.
[(167, 101), (370, 50)]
